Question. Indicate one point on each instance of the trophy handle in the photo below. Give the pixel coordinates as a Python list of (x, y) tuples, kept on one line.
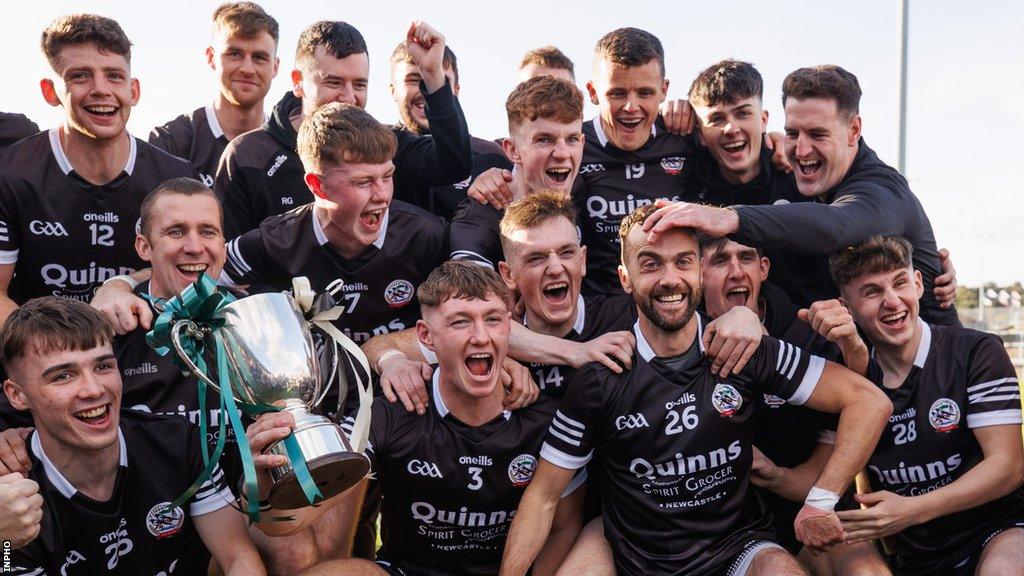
[(192, 330)]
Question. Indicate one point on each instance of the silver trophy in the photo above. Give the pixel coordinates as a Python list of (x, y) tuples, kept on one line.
[(272, 361)]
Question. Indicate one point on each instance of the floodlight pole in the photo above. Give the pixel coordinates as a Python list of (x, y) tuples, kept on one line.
[(901, 128)]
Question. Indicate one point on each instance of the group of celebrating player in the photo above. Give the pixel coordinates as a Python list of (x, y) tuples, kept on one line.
[(659, 341)]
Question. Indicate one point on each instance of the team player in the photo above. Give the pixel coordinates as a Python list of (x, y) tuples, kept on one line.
[(949, 465), (108, 477), (451, 478), (545, 144), (546, 61), (14, 127), (405, 90), (69, 197), (261, 173), (675, 439), (857, 195), (243, 54)]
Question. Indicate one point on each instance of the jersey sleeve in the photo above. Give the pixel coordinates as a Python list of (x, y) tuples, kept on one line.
[(473, 238), (235, 194), (214, 493), (163, 138), (445, 157), (993, 392), (378, 430), (247, 260), (10, 243), (576, 425), (785, 370)]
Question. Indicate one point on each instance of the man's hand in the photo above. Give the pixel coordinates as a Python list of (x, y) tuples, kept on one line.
[(520, 389), (21, 509), (678, 116), (832, 320), (731, 340), (266, 430), (887, 514), (613, 349), (426, 48), (492, 187), (818, 529), (13, 451), (404, 379), (763, 472), (712, 221), (123, 308), (945, 283), (776, 142)]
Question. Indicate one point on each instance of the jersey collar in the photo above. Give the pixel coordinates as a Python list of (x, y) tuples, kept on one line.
[(581, 319), (65, 164), (214, 123), (58, 480), (442, 408), (321, 238), (644, 348), (603, 139), (925, 345)]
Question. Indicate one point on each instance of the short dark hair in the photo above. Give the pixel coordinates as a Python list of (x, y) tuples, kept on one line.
[(548, 57), (631, 47), (725, 82), (712, 244), (827, 81), (246, 19), (463, 280), (878, 254), (544, 97), (72, 29), (448, 60), (340, 132), (48, 324), (341, 40), (637, 218), (184, 186)]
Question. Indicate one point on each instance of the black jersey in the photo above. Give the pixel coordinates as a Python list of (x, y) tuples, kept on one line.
[(476, 234), (14, 127), (377, 289), (451, 490), (675, 448), (596, 315), (196, 137), (65, 235), (127, 534), (445, 200), (261, 175), (708, 186), (961, 379), (872, 199), (613, 182)]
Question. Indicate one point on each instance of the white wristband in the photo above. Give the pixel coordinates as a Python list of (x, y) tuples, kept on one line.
[(123, 278), (387, 355), (822, 499)]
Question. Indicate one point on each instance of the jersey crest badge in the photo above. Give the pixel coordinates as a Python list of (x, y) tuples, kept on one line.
[(944, 415), (773, 401), (726, 399), (672, 165), (163, 522), (398, 293), (520, 471)]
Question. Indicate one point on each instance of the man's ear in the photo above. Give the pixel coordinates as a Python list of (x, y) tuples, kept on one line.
[(49, 92), (627, 286), (506, 274), (855, 127), (593, 93), (664, 89), (143, 248), (136, 91), (583, 261), (424, 336), (766, 265), (297, 83), (764, 120), (211, 58), (510, 150), (15, 395), (315, 184), (918, 284)]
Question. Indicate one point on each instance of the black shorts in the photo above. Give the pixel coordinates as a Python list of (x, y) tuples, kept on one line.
[(392, 570)]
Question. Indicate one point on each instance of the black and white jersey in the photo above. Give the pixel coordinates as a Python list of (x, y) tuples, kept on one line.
[(445, 200), (65, 235), (451, 490), (675, 443), (476, 234), (613, 182), (129, 533), (14, 127), (961, 380), (377, 289), (708, 186), (596, 316), (196, 137)]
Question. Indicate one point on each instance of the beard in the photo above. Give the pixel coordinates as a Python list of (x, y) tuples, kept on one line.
[(409, 119), (648, 309)]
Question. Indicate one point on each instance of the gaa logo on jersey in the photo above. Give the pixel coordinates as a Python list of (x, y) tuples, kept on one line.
[(944, 415), (520, 471), (773, 401), (672, 165), (398, 293), (163, 522), (726, 399)]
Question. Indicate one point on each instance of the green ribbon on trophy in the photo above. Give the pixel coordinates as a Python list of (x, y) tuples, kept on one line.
[(265, 363)]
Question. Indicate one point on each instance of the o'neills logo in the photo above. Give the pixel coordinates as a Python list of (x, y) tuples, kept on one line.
[(108, 217)]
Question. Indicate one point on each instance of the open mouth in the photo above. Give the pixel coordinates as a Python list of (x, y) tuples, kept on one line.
[(189, 269), (559, 175), (630, 123), (897, 320), (480, 364), (737, 296), (735, 147), (672, 300), (371, 218), (94, 416), (556, 292), (103, 111), (808, 167)]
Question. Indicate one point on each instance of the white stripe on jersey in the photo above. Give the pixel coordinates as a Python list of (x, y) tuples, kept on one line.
[(554, 431), (815, 366), (214, 498), (796, 362), (472, 257), (563, 460), (22, 571), (8, 256), (984, 392), (235, 255), (778, 361), (994, 418), (977, 387), (578, 425)]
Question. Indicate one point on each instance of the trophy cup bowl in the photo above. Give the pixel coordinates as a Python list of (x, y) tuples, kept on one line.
[(272, 361)]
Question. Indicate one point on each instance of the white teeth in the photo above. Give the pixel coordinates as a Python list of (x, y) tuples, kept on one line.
[(481, 355), (738, 291), (808, 162), (894, 317), (95, 412), (559, 170), (733, 146), (632, 122), (557, 285), (670, 298), (192, 267), (101, 109)]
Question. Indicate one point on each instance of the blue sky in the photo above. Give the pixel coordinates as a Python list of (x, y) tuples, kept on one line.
[(966, 97)]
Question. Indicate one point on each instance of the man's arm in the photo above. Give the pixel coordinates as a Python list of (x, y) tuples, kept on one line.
[(565, 528), (225, 535), (6, 304), (614, 349), (403, 368), (532, 524), (117, 300), (790, 483)]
